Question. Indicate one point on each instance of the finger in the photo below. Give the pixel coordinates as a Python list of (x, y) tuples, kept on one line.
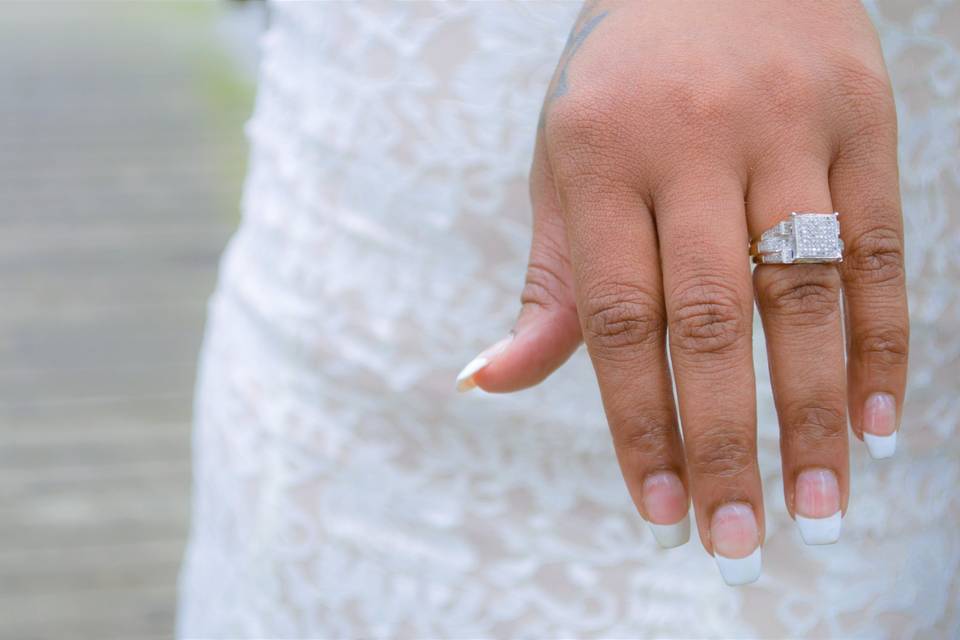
[(864, 184), (547, 331), (800, 308), (709, 302), (613, 250)]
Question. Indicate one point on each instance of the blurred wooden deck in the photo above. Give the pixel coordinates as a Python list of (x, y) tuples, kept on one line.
[(119, 183)]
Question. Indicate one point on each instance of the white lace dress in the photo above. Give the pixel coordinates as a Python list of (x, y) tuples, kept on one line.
[(344, 490)]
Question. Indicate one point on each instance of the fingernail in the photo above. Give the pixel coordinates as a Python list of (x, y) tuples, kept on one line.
[(736, 543), (817, 506), (880, 425), (465, 380), (665, 503)]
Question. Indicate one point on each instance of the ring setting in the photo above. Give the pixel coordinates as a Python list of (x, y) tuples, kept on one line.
[(804, 238)]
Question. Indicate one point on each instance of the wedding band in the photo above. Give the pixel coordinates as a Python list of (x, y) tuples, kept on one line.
[(804, 238)]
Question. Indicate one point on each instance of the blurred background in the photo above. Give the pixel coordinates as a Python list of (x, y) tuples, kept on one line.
[(122, 157), (121, 161)]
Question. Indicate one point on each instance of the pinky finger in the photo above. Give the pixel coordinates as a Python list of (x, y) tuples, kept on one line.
[(864, 185)]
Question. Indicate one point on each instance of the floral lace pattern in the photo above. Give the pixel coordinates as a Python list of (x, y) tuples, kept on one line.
[(343, 490)]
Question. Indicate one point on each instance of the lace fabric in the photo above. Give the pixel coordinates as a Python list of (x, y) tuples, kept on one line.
[(343, 490)]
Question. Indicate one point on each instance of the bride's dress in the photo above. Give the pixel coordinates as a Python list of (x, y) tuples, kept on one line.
[(344, 490)]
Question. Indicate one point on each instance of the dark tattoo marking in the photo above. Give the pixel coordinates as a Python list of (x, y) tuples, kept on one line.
[(574, 42), (581, 30)]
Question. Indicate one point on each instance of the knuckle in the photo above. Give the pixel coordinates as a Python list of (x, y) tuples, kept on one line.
[(586, 121), (619, 317), (888, 346), (546, 284), (813, 424), (875, 257), (790, 91), (697, 105), (642, 435), (862, 83), (707, 318), (865, 97), (804, 296), (723, 453)]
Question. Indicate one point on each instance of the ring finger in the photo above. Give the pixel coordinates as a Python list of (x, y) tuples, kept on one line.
[(800, 308)]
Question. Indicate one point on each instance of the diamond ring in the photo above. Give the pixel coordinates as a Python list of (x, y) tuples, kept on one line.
[(804, 238)]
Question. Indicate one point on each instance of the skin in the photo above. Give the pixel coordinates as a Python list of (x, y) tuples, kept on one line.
[(672, 133)]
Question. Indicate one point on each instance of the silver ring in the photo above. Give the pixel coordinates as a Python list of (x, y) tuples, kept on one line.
[(804, 238)]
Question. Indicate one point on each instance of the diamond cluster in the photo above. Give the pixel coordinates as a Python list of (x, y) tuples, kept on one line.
[(779, 240), (805, 237), (816, 237)]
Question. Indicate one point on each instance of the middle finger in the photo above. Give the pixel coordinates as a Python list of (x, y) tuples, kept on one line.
[(706, 275)]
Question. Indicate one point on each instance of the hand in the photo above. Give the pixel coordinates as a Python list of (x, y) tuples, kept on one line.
[(673, 133)]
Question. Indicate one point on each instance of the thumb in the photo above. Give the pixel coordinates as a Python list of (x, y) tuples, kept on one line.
[(547, 331)]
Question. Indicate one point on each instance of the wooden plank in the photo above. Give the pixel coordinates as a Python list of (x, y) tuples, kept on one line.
[(116, 198), (95, 614), (138, 477)]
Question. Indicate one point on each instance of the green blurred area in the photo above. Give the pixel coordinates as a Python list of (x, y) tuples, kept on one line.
[(228, 89), (230, 93)]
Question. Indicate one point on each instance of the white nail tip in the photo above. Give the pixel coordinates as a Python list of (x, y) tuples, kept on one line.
[(465, 380), (669, 536), (465, 377), (820, 530), (740, 571), (880, 446)]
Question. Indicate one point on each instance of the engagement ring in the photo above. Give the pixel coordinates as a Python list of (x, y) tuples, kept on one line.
[(804, 238)]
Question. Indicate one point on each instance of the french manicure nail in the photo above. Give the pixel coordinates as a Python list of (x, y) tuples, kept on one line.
[(465, 380), (880, 447), (817, 506), (736, 543), (665, 503), (880, 425), (669, 536)]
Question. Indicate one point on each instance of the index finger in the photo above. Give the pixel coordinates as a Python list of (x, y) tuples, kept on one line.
[(613, 252)]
